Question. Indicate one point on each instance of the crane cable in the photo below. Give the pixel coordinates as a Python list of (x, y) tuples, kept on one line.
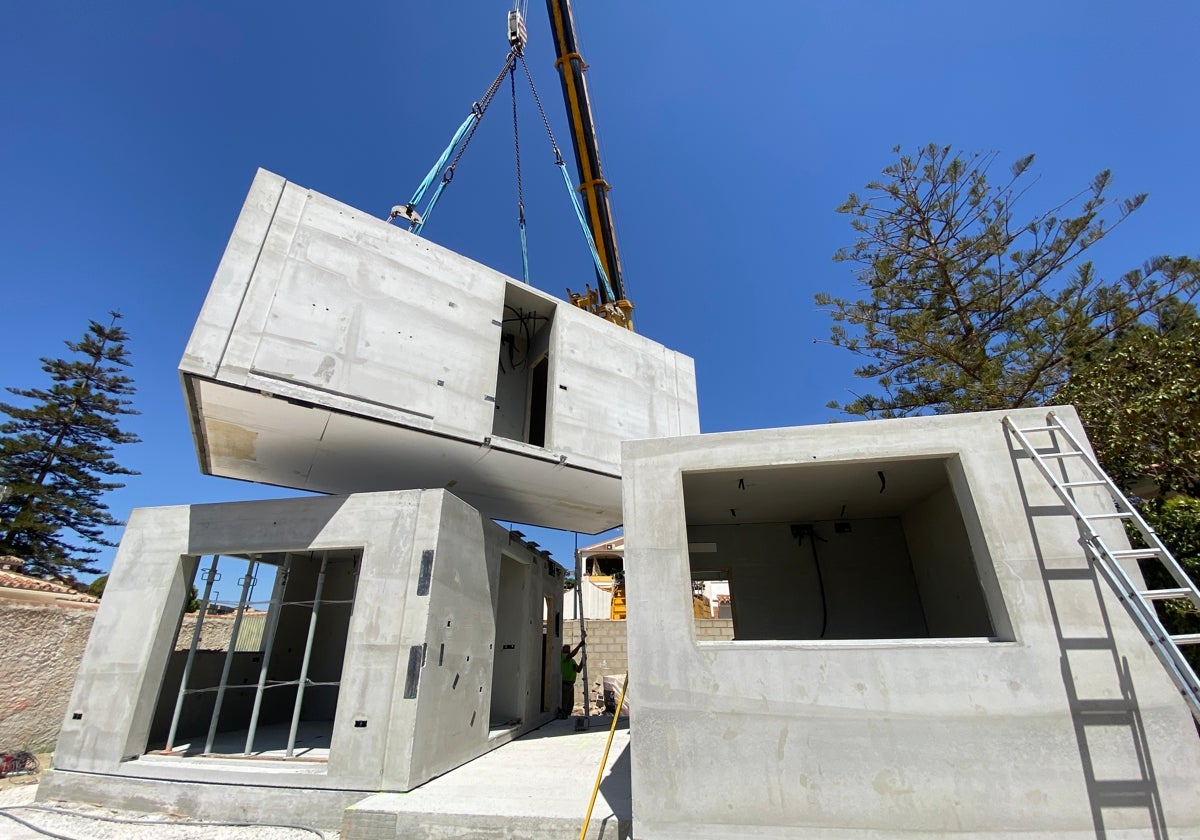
[(562, 168), (462, 138)]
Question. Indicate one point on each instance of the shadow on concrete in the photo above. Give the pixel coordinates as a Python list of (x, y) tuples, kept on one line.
[(618, 793), (566, 728), (1116, 706)]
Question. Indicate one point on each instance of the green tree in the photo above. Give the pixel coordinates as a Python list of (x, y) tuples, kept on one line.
[(968, 305), (1139, 399), (56, 455)]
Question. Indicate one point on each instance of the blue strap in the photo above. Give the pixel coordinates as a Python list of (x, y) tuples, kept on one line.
[(524, 254), (437, 167), (587, 233), (416, 229)]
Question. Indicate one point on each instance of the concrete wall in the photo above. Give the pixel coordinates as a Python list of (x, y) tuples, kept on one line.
[(387, 347), (417, 674), (1060, 724)]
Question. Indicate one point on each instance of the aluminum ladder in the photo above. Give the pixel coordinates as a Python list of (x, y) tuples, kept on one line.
[(1137, 601)]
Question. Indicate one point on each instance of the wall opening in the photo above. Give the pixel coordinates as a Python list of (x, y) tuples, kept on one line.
[(508, 683), (255, 671), (848, 550), (523, 368)]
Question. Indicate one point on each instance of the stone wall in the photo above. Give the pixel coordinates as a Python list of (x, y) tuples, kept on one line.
[(40, 649), (607, 651)]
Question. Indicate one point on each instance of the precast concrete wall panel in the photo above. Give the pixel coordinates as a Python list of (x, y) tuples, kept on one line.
[(338, 353), (1048, 718)]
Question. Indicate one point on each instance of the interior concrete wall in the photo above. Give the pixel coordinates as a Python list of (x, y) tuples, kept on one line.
[(362, 326), (972, 737), (417, 673), (944, 568), (865, 588)]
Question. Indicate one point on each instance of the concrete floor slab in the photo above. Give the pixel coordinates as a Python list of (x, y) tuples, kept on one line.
[(536, 787)]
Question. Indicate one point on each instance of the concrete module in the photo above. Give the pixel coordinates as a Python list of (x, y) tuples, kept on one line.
[(430, 650), (921, 647), (341, 354)]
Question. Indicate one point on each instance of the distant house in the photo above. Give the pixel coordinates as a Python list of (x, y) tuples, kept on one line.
[(17, 586)]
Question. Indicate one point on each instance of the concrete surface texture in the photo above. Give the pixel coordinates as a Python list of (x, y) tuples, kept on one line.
[(536, 788), (399, 364), (921, 648), (444, 656)]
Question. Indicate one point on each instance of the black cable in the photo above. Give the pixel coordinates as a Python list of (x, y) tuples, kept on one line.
[(798, 531), (63, 812)]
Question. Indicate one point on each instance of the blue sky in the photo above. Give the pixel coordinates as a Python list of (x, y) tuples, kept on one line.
[(130, 132)]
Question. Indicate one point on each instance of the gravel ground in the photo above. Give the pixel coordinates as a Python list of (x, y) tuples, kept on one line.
[(71, 821)]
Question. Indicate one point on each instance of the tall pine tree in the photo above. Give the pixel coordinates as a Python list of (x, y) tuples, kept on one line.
[(56, 456)]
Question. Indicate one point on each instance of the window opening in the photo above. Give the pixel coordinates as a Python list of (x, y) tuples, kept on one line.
[(839, 551), (260, 676)]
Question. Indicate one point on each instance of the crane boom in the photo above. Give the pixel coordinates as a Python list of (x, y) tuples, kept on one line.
[(592, 185)]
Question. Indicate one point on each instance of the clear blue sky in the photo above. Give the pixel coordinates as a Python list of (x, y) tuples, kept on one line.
[(130, 131)]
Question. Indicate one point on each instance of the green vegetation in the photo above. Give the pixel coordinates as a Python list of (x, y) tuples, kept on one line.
[(56, 455)]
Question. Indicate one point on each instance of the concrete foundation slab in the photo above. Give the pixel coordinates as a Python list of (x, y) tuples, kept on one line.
[(535, 788), (338, 353), (439, 654), (921, 647)]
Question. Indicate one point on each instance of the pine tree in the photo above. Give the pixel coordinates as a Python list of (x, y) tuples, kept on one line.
[(969, 305), (56, 455)]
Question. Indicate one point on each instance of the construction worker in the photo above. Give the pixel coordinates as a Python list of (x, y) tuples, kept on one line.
[(569, 671)]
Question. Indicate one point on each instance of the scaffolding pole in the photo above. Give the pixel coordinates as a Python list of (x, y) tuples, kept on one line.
[(276, 607), (247, 582), (210, 577), (308, 645), (587, 700)]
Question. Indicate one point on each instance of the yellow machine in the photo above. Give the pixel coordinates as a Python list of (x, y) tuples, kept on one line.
[(592, 185)]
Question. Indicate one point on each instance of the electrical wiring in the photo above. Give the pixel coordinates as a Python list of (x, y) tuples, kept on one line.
[(7, 812)]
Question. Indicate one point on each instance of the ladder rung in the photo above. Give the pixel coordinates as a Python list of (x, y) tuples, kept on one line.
[(1187, 639), (1037, 429), (1059, 454), (1137, 552), (1084, 483), (1121, 515), (1088, 643), (1165, 594)]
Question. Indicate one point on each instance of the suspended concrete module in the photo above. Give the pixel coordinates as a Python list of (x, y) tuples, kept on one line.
[(337, 353)]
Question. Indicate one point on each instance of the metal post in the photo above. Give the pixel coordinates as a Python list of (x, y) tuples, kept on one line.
[(587, 700), (276, 607), (247, 582), (312, 631), (210, 577)]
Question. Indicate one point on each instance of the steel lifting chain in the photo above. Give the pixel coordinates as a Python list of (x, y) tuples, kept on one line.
[(558, 158), (512, 77), (479, 108)]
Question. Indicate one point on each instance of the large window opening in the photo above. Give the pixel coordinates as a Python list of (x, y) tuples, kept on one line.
[(256, 667), (852, 550), (523, 368)]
